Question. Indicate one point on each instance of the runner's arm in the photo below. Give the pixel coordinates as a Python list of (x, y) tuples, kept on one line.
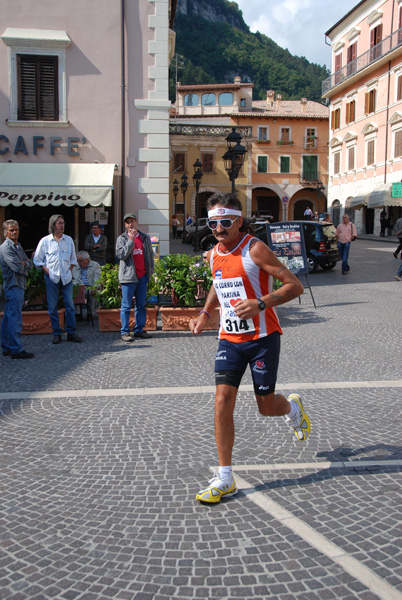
[(197, 325)]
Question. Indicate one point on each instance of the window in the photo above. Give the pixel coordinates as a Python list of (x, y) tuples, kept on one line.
[(370, 152), (310, 168), (207, 163), (369, 102), (399, 87), (337, 163), (208, 100), (284, 164), (351, 158), (351, 58), (191, 100), (263, 134), (38, 78), (226, 99), (179, 162), (351, 111), (338, 67), (285, 135), (242, 102), (311, 137), (336, 118), (262, 163), (375, 42), (38, 98), (398, 144)]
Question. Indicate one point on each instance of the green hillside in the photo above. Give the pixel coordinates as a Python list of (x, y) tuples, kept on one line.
[(215, 51)]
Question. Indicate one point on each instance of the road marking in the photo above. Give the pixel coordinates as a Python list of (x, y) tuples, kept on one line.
[(356, 569), (203, 389)]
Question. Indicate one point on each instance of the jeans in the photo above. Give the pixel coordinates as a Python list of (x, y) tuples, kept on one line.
[(400, 271), (139, 290), (52, 294), (344, 252), (11, 325)]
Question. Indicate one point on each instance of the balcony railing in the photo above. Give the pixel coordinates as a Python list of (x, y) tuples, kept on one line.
[(208, 130), (309, 177), (364, 60), (311, 141)]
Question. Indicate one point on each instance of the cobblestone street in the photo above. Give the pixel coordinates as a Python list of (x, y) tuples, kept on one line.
[(103, 446)]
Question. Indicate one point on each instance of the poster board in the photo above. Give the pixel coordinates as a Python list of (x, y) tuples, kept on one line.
[(286, 240)]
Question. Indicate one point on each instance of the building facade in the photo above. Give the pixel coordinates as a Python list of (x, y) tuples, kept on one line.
[(286, 164), (365, 93), (84, 115)]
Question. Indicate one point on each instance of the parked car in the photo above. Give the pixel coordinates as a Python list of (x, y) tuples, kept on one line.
[(319, 239), (190, 229), (320, 242)]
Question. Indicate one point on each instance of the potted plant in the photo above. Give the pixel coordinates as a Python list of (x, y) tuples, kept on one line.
[(186, 281), (108, 295), (35, 316)]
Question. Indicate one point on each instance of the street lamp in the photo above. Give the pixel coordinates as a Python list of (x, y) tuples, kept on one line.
[(184, 186), (234, 156), (175, 191), (197, 177), (320, 190)]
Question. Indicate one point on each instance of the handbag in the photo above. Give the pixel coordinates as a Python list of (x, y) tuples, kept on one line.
[(353, 237)]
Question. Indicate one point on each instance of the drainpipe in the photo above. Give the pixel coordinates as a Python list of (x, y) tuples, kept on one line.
[(123, 115), (388, 97)]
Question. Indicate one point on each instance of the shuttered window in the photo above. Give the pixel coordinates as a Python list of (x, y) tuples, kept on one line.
[(285, 164), (351, 158), (336, 118), (207, 163), (350, 111), (37, 88), (398, 144), (337, 163), (370, 152), (399, 88), (179, 162), (262, 164), (369, 102)]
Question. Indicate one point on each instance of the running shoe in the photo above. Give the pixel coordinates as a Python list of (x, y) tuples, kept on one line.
[(217, 489), (301, 423)]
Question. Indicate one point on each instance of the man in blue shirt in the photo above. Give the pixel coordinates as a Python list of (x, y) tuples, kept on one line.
[(15, 266), (56, 255)]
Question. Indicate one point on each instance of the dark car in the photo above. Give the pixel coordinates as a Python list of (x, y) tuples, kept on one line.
[(320, 242)]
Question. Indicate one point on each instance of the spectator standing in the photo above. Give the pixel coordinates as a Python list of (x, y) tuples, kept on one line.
[(15, 266), (189, 220), (56, 255), (134, 251), (345, 234), (175, 224), (308, 214), (96, 243), (383, 222), (398, 233)]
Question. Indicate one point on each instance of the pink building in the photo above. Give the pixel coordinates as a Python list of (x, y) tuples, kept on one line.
[(365, 92), (84, 115)]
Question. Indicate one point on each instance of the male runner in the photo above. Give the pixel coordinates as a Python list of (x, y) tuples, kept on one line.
[(243, 268)]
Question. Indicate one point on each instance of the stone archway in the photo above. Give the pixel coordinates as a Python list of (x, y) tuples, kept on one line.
[(265, 201), (299, 207)]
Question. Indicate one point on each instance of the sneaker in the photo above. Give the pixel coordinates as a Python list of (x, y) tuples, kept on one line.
[(6, 352), (126, 337), (301, 423), (396, 277), (395, 254), (56, 339), (217, 489), (73, 337), (142, 334), (23, 354)]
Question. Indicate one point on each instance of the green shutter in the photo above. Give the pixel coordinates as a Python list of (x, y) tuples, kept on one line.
[(262, 164), (285, 164)]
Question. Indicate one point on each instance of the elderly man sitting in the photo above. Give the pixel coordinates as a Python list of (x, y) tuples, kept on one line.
[(88, 272)]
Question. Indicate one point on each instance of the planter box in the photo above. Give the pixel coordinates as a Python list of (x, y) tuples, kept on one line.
[(38, 321), (177, 319), (109, 319)]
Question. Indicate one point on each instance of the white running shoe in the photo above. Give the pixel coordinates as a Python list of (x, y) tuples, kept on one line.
[(217, 489), (301, 423)]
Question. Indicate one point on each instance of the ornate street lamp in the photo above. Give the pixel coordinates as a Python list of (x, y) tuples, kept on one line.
[(175, 191), (320, 190), (234, 156), (184, 186), (197, 178)]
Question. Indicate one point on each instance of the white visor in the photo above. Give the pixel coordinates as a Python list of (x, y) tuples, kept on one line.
[(219, 211)]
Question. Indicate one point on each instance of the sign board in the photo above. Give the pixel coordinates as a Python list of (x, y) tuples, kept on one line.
[(155, 243), (397, 190), (286, 240), (285, 199)]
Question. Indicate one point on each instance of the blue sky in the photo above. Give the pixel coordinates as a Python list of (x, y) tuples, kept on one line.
[(298, 25)]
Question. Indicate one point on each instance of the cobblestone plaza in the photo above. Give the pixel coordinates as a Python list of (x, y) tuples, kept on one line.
[(103, 446)]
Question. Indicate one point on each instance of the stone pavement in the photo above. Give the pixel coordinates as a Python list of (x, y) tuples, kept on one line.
[(104, 445)]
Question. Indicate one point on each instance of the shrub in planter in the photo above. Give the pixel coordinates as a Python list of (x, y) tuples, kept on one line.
[(185, 279)]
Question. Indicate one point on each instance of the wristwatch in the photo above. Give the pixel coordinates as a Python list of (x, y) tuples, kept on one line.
[(261, 304)]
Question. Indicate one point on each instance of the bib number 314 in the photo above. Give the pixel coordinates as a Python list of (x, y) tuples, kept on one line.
[(236, 325)]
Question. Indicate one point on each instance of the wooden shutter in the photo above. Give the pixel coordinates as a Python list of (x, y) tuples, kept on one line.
[(207, 163), (351, 158), (399, 88), (398, 144), (285, 164), (262, 166), (352, 110), (370, 152), (179, 162), (337, 162), (37, 88), (366, 103), (347, 120)]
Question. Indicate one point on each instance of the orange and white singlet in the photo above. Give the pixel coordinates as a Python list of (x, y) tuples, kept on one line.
[(236, 276)]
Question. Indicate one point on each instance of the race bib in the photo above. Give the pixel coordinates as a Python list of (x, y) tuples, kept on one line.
[(229, 291)]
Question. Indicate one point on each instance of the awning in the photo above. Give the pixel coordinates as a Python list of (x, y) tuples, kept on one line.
[(358, 202), (56, 184), (382, 196)]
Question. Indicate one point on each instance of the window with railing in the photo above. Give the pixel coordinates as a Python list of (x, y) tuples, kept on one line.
[(375, 42), (351, 58)]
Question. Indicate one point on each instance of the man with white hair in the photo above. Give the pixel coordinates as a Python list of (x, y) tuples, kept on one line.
[(88, 272)]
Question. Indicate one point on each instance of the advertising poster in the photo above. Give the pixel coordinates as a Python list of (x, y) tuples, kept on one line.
[(287, 243)]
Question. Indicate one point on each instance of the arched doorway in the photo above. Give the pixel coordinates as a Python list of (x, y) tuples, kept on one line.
[(202, 202), (336, 212), (265, 202), (299, 208)]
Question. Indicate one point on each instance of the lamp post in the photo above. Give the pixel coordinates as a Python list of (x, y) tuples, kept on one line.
[(234, 156), (197, 177), (320, 190), (175, 191), (184, 186)]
